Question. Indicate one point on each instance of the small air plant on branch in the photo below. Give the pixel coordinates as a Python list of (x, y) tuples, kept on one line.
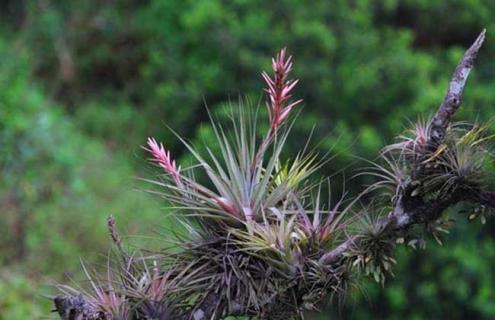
[(263, 239)]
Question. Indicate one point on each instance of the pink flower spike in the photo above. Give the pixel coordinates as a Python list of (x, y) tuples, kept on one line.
[(163, 159), (279, 89)]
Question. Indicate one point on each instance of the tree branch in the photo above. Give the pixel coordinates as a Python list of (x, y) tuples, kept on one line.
[(77, 308), (409, 209), (337, 253), (452, 100)]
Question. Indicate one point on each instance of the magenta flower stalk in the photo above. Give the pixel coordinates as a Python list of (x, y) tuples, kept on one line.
[(279, 89), (163, 159), (279, 92)]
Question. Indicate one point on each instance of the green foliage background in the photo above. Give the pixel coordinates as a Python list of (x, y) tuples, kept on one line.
[(83, 83)]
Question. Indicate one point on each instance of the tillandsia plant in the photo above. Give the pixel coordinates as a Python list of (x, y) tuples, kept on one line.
[(262, 239)]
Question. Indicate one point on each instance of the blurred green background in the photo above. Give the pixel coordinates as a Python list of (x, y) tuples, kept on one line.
[(84, 82)]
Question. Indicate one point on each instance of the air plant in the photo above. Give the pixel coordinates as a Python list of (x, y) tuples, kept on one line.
[(373, 252), (413, 141), (104, 299), (263, 240)]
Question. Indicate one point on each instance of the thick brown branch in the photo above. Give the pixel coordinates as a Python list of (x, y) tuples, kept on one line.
[(452, 100)]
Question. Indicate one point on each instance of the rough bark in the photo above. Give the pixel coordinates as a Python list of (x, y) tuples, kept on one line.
[(453, 98), (76, 308)]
